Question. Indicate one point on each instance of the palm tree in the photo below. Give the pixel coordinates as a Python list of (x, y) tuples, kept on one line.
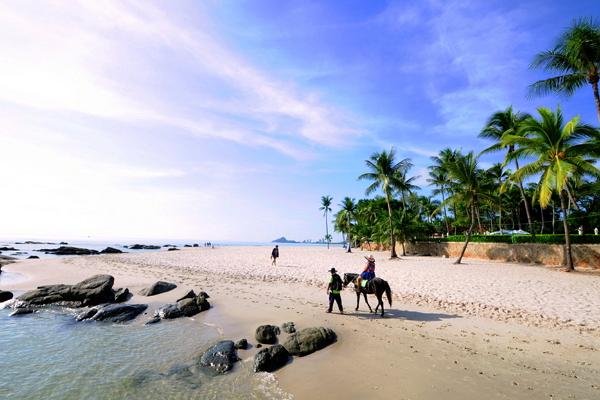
[(384, 172), (576, 58), (405, 187), (439, 177), (500, 124), (562, 152), (346, 214), (467, 177), (440, 167), (326, 208), (499, 175)]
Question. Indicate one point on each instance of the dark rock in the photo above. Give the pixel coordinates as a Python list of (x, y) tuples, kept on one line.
[(69, 251), (172, 249), (258, 345), (288, 327), (144, 247), (86, 314), (8, 249), (187, 245), (188, 295), (22, 311), (158, 288), (119, 312), (309, 340), (168, 245), (201, 301), (153, 320), (196, 245), (4, 296), (63, 243), (270, 359), (188, 307), (241, 344), (170, 311), (267, 334), (32, 257), (110, 250), (92, 291), (220, 357), (121, 295)]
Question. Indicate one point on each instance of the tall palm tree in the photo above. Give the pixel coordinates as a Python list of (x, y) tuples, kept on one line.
[(500, 124), (562, 151), (467, 177), (576, 58), (499, 175), (346, 214), (384, 172), (440, 166), (326, 208), (405, 187), (439, 177)]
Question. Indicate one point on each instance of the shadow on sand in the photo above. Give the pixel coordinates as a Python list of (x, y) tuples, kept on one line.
[(405, 315)]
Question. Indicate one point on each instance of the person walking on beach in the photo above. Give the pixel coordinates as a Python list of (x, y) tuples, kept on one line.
[(334, 289), (275, 255)]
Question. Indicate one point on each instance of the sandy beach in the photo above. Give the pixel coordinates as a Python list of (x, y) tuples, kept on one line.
[(453, 332)]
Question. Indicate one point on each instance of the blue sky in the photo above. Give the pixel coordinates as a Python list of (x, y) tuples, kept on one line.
[(228, 120)]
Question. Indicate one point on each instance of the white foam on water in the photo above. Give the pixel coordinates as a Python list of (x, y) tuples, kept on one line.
[(268, 385)]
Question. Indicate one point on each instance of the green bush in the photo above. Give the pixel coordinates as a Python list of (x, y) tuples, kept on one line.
[(542, 239)]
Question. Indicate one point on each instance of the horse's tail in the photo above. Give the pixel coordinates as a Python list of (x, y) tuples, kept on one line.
[(388, 292)]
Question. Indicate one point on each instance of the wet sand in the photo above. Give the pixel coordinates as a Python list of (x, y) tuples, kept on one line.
[(454, 332)]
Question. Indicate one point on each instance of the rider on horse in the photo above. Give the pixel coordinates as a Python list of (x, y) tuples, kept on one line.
[(368, 273)]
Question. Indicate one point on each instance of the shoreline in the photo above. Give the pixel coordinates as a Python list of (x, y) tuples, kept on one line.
[(419, 350)]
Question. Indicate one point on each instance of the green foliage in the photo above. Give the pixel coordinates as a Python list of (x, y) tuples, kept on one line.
[(516, 239)]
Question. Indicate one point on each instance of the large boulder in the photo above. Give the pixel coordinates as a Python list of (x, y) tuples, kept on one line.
[(69, 251), (309, 340), (89, 292), (118, 312), (121, 295), (241, 344), (110, 250), (169, 311), (157, 288), (270, 359), (267, 334), (4, 296), (188, 307), (220, 357)]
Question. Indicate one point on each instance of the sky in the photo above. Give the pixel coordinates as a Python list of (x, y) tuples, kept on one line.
[(228, 120)]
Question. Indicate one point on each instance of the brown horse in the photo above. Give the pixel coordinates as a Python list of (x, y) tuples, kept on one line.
[(376, 286)]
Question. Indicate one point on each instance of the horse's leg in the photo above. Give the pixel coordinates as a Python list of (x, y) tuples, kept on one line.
[(367, 301), (380, 299), (357, 300)]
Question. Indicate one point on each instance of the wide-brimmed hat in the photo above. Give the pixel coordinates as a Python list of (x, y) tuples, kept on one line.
[(332, 270), (370, 258)]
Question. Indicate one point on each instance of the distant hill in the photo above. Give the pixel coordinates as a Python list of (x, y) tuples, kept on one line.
[(283, 240)]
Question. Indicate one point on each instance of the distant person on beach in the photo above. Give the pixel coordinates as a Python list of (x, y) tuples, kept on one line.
[(275, 255), (369, 271), (334, 289), (595, 231)]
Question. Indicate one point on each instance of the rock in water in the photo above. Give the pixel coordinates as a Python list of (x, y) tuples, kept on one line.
[(4, 296), (110, 250), (267, 334), (86, 314), (32, 257), (221, 357), (69, 251), (188, 307), (21, 311), (309, 340), (288, 327), (169, 312), (241, 344), (92, 291), (270, 359), (119, 312), (158, 288), (121, 295)]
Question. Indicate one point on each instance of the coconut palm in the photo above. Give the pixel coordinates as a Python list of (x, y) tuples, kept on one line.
[(576, 58), (384, 173), (346, 216), (500, 124), (562, 151), (439, 167), (498, 175), (326, 208), (439, 177), (466, 176)]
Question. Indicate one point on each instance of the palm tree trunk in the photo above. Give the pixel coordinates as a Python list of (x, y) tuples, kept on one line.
[(445, 213), (596, 96), (568, 255), (326, 230), (392, 237), (542, 215), (527, 210), (571, 198), (479, 221), (349, 238), (553, 218), (500, 214), (469, 232)]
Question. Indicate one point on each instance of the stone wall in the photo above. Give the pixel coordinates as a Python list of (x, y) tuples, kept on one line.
[(584, 255)]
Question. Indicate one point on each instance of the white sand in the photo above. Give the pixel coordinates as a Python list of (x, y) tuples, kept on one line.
[(420, 351), (502, 291)]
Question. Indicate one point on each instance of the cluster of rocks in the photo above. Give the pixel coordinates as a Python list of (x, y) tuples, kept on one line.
[(69, 251), (187, 306), (5, 260), (143, 247), (221, 357)]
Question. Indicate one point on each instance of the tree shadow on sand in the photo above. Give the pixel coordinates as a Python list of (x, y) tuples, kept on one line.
[(405, 315)]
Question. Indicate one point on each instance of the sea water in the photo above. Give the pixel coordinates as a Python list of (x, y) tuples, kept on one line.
[(48, 355)]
